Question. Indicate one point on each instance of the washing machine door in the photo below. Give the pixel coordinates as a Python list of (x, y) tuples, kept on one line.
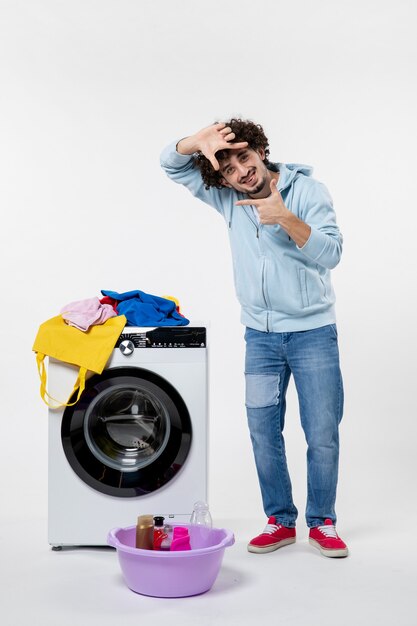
[(129, 434)]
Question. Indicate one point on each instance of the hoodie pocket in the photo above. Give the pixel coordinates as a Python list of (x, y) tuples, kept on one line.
[(302, 279)]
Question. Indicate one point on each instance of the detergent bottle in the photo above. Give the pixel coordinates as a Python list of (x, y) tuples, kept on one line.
[(144, 532), (159, 533), (180, 539), (162, 535)]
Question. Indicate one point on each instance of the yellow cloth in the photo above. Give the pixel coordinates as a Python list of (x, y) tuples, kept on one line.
[(88, 350)]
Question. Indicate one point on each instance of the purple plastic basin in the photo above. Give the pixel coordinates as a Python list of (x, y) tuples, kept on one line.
[(167, 574)]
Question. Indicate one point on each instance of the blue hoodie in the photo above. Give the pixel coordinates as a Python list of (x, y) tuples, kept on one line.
[(280, 286)]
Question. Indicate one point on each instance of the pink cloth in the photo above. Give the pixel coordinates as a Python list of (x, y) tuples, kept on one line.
[(85, 313)]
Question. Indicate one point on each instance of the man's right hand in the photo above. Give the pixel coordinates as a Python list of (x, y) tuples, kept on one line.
[(210, 140)]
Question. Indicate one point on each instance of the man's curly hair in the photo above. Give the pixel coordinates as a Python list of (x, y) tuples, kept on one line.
[(245, 130)]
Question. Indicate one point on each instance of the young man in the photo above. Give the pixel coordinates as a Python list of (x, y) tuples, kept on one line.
[(284, 241)]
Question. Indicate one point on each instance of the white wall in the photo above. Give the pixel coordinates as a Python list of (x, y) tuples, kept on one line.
[(91, 90)]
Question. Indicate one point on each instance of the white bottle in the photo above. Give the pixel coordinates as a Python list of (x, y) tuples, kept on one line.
[(201, 515)]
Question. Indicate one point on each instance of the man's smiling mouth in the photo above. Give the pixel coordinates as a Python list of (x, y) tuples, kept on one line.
[(248, 180)]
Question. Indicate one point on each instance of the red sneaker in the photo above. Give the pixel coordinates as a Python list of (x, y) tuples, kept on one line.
[(273, 537), (326, 539)]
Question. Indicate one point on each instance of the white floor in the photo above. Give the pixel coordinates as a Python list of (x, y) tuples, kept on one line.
[(375, 585)]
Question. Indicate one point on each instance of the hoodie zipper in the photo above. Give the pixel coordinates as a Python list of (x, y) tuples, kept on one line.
[(257, 227), (255, 224), (264, 295)]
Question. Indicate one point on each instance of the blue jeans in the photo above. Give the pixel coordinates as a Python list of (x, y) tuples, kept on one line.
[(312, 357)]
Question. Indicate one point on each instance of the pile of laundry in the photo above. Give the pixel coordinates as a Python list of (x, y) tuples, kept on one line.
[(139, 308), (104, 319)]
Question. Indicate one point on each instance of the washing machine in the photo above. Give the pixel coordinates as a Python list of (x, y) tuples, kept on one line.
[(136, 441)]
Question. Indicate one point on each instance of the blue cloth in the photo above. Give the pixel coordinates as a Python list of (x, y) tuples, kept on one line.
[(312, 357), (144, 309)]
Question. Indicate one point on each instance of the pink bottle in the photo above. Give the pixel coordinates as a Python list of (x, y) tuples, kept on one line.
[(180, 539)]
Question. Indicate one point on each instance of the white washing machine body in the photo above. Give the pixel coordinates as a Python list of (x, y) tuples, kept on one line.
[(136, 441)]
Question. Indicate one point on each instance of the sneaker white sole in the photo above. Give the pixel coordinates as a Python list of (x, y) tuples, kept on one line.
[(272, 547), (331, 553)]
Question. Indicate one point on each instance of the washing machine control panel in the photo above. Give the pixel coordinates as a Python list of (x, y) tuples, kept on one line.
[(171, 337)]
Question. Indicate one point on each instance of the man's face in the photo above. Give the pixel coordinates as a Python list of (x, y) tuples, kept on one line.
[(245, 171)]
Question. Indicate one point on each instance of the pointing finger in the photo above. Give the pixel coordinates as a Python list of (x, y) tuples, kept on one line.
[(248, 201)]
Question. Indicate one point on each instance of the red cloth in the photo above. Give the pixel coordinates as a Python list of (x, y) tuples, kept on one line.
[(111, 301)]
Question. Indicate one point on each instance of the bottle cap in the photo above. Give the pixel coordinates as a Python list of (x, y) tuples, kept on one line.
[(144, 521), (159, 520)]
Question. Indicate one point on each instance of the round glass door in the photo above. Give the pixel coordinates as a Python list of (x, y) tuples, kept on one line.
[(129, 434)]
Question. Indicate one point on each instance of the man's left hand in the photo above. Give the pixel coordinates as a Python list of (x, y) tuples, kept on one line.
[(271, 209)]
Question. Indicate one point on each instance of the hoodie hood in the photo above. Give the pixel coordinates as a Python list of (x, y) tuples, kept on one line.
[(288, 172)]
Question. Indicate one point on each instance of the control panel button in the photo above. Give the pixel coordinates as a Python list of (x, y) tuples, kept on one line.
[(127, 347)]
